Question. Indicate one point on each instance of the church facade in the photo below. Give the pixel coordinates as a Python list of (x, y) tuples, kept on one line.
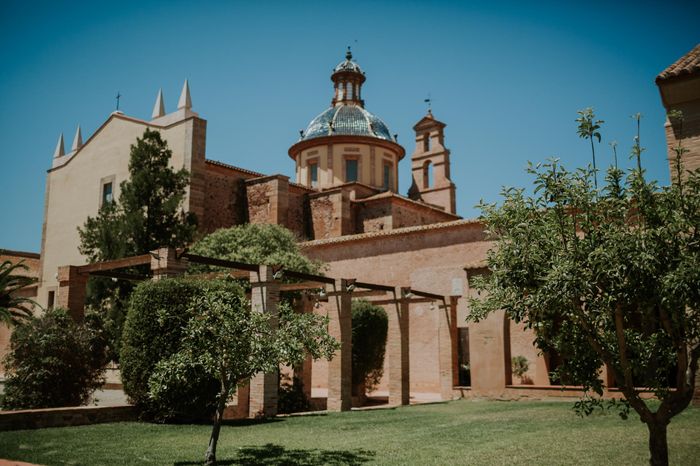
[(344, 206)]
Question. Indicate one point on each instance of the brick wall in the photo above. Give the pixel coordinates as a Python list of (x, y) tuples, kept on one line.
[(224, 201), (64, 417)]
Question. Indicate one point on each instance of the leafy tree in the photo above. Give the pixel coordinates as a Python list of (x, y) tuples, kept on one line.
[(55, 361), (158, 312), (232, 343), (13, 307), (604, 277), (148, 215), (255, 244), (369, 332)]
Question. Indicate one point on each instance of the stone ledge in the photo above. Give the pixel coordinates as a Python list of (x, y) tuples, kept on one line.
[(64, 417)]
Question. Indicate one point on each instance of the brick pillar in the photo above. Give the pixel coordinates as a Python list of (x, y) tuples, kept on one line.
[(243, 403), (72, 290), (446, 341), (165, 263), (340, 367), (696, 394), (264, 298), (397, 351)]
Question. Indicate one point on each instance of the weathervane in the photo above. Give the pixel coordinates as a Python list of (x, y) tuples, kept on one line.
[(429, 101)]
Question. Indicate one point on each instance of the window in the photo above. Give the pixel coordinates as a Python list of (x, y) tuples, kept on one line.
[(426, 142), (313, 174), (387, 176), (51, 300), (427, 174), (465, 373), (107, 195), (350, 170)]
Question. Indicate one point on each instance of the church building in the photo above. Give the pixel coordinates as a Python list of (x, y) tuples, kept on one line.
[(345, 207)]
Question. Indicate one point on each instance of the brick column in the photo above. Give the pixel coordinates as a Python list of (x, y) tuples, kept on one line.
[(72, 290), (397, 351), (165, 263), (447, 351), (340, 367), (696, 394), (264, 298)]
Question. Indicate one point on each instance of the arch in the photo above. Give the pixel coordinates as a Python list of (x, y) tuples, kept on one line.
[(428, 174)]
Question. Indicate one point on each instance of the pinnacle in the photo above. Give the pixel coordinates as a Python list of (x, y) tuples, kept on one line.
[(159, 107), (185, 99), (60, 151), (77, 140)]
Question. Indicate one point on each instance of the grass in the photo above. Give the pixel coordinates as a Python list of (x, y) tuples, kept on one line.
[(459, 432)]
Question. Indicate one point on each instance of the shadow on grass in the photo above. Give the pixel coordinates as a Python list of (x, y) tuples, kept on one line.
[(271, 454)]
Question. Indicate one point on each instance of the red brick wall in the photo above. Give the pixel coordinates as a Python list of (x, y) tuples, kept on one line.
[(223, 199)]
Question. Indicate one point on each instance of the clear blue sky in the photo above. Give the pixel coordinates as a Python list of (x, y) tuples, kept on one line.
[(507, 78)]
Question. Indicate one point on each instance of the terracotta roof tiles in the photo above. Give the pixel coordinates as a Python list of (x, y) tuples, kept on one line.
[(687, 65)]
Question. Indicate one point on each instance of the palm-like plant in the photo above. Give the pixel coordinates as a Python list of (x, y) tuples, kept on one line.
[(14, 308)]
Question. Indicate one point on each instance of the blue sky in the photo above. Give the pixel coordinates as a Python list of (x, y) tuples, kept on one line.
[(506, 77)]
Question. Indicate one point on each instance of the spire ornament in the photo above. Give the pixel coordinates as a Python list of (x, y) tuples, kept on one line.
[(185, 99), (60, 150), (159, 107), (77, 140)]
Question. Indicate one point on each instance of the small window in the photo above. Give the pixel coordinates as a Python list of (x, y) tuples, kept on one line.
[(313, 174), (387, 176), (427, 174), (52, 300), (107, 196), (426, 142), (350, 170)]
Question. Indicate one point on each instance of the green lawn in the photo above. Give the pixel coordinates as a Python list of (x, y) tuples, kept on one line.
[(459, 432)]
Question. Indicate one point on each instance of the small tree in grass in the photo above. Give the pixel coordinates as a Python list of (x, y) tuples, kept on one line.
[(604, 276), (232, 343)]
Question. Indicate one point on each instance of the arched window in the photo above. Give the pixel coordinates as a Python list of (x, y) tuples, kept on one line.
[(427, 174)]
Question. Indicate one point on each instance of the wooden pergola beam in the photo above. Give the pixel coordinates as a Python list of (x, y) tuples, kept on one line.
[(219, 262), (115, 264), (132, 277)]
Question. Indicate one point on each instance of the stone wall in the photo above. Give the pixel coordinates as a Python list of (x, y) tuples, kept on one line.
[(224, 200), (64, 417)]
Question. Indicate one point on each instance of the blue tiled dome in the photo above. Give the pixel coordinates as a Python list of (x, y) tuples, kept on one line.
[(344, 120)]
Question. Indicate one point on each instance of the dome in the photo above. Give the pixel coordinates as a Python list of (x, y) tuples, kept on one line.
[(343, 120), (348, 65)]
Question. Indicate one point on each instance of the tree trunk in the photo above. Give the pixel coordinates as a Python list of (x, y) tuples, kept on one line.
[(658, 445), (210, 455)]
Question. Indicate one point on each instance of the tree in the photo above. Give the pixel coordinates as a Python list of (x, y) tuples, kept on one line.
[(232, 343), (370, 325), (55, 361), (255, 244), (147, 216), (604, 276), (13, 307)]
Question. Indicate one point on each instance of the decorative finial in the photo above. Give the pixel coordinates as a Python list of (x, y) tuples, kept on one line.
[(348, 54), (159, 107), (429, 101), (77, 140), (60, 151), (185, 99), (301, 134), (119, 96)]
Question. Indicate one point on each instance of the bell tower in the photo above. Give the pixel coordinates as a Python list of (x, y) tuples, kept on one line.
[(430, 166)]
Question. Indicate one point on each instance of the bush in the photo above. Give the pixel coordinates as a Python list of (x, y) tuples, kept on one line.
[(291, 397), (519, 366), (158, 313), (369, 329), (254, 244), (55, 361)]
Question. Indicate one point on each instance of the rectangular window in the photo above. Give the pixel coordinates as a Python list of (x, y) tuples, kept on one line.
[(51, 300), (387, 176), (426, 142), (313, 175), (465, 373), (350, 170), (107, 193)]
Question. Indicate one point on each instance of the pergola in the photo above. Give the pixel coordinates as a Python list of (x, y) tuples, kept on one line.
[(336, 294)]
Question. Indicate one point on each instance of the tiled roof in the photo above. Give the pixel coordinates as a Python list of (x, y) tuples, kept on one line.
[(343, 120), (232, 167), (687, 65), (385, 233)]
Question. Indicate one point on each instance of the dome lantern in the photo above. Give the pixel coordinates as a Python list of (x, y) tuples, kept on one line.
[(347, 80)]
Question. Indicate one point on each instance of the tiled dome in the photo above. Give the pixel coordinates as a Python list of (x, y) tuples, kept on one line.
[(343, 120)]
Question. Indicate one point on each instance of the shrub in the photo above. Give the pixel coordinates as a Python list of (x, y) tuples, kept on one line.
[(369, 330), (519, 366), (157, 314), (55, 361), (291, 397)]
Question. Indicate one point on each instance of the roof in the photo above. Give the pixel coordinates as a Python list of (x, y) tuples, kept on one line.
[(347, 120), (386, 233), (687, 65)]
